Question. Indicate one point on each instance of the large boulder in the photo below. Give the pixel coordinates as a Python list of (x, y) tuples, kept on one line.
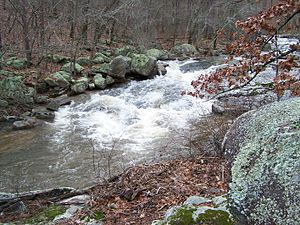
[(70, 68), (58, 79), (144, 65), (17, 63), (262, 148), (120, 66), (184, 50), (13, 89)]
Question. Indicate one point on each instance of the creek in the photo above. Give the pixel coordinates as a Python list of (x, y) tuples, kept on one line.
[(102, 133)]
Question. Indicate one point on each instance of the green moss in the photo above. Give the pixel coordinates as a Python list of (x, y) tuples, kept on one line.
[(46, 215), (98, 215), (182, 216), (214, 217)]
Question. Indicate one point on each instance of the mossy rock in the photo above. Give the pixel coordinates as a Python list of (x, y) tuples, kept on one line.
[(194, 211), (190, 215), (144, 65), (58, 79), (156, 53), (55, 58), (105, 68), (13, 89), (80, 85), (7, 73), (100, 58), (184, 49), (84, 61), (17, 63), (262, 148), (70, 68), (46, 215), (100, 81), (127, 50)]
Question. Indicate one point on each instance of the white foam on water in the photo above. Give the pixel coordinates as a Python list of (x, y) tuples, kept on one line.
[(139, 113)]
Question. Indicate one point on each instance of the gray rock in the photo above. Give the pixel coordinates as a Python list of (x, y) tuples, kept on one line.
[(27, 123), (64, 100), (3, 103), (53, 105), (184, 49), (144, 65), (161, 67), (220, 108), (43, 114), (76, 200), (109, 80), (120, 66), (262, 148), (15, 208), (68, 214), (41, 99), (196, 200)]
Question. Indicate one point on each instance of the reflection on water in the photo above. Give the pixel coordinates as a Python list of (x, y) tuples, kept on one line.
[(100, 134)]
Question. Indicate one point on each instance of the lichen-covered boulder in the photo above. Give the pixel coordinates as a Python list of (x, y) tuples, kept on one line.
[(99, 81), (17, 63), (144, 65), (58, 79), (120, 66), (262, 148), (184, 49), (156, 53), (14, 90), (70, 68), (195, 211)]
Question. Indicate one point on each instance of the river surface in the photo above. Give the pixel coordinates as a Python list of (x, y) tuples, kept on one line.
[(102, 133)]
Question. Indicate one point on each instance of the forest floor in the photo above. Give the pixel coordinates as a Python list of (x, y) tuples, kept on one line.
[(143, 193)]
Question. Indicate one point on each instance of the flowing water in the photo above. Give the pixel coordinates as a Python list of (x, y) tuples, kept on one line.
[(102, 133)]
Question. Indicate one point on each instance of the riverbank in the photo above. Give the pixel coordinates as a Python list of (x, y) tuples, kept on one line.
[(138, 196)]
